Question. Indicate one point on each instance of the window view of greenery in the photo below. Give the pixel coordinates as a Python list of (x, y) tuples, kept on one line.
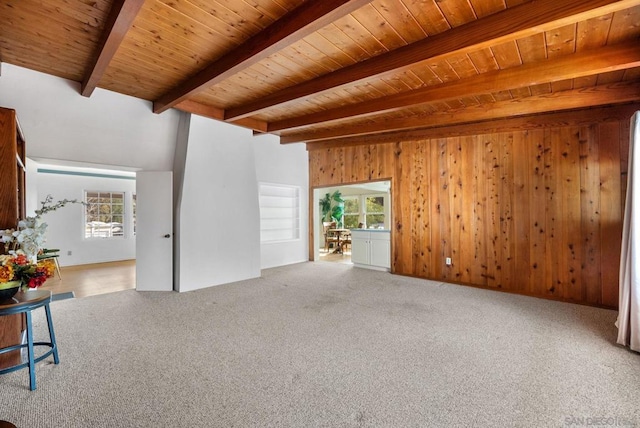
[(374, 212), (351, 212), (104, 214)]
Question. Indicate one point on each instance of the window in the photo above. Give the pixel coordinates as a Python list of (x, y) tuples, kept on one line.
[(279, 212), (104, 214), (133, 210), (351, 212), (374, 212)]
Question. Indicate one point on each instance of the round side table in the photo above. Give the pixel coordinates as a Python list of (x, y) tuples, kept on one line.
[(24, 303)]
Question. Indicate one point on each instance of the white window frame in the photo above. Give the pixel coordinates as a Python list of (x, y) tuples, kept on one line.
[(280, 212), (109, 232), (359, 213), (364, 208)]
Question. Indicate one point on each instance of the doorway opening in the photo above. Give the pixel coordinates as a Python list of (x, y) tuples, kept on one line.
[(340, 209), (96, 239)]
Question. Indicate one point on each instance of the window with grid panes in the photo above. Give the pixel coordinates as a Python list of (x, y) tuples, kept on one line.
[(351, 212), (374, 212), (104, 214)]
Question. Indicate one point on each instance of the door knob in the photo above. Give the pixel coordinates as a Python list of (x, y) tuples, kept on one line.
[(168, 235)]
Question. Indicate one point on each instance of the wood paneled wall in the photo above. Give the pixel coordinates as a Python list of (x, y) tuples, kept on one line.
[(535, 211)]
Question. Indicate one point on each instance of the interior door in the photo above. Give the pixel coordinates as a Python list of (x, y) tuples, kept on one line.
[(154, 231)]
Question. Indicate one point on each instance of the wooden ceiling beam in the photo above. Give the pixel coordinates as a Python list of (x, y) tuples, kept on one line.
[(521, 21), (582, 117), (120, 20), (309, 17), (591, 62), (218, 114), (616, 93)]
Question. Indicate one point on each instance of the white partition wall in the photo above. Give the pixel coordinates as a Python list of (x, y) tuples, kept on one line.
[(219, 235)]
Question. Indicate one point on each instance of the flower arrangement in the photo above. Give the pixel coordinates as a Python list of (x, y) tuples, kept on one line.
[(16, 270), (20, 265), (27, 238)]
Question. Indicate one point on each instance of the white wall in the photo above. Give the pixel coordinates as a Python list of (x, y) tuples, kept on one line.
[(31, 191), (217, 221), (219, 226), (107, 129), (284, 164), (65, 229), (179, 163)]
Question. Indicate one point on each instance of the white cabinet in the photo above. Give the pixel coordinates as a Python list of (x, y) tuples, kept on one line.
[(371, 249), (360, 248), (380, 249)]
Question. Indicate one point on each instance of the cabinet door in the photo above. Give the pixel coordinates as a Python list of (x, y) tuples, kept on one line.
[(380, 252), (359, 250)]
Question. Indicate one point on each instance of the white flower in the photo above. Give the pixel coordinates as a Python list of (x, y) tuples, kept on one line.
[(6, 236), (29, 236)]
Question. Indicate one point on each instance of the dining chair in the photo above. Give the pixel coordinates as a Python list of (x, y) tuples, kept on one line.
[(51, 253), (329, 237), (345, 240)]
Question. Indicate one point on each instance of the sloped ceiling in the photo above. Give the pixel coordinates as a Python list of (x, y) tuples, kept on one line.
[(328, 70)]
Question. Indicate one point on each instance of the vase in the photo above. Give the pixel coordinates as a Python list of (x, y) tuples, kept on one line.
[(9, 289)]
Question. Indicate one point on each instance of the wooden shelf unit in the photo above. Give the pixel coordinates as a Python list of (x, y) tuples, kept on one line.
[(13, 208)]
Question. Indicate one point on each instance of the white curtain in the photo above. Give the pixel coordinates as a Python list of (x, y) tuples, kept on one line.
[(628, 322)]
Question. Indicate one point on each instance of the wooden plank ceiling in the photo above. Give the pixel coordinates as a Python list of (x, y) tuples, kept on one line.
[(337, 71)]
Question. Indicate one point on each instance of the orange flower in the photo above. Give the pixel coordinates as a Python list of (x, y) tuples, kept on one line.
[(17, 267), (6, 273), (47, 267)]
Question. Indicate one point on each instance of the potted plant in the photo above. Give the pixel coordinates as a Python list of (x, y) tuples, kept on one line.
[(332, 207)]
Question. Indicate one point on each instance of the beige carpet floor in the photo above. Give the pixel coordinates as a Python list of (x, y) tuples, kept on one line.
[(327, 345)]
